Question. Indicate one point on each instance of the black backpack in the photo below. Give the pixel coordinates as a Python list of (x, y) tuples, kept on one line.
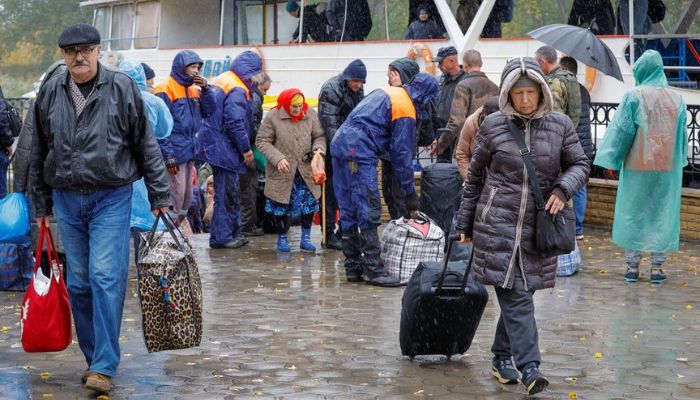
[(11, 121)]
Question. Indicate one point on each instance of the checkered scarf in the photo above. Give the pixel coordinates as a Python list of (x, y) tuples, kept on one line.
[(78, 99)]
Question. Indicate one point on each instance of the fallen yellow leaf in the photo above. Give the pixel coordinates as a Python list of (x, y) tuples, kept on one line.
[(602, 271), (684, 283), (571, 379), (45, 375), (419, 393), (5, 329), (598, 355), (339, 352), (572, 395), (689, 307), (103, 397)]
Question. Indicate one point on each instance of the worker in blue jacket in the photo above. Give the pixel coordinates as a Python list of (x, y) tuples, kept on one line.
[(184, 101), (383, 123), (224, 142)]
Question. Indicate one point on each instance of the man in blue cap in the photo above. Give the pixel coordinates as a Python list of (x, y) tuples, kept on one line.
[(315, 22), (339, 95), (452, 74)]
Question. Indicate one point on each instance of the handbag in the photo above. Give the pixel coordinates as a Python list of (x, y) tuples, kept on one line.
[(554, 234), (170, 290), (45, 317)]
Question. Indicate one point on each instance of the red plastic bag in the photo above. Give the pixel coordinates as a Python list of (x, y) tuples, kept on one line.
[(45, 318)]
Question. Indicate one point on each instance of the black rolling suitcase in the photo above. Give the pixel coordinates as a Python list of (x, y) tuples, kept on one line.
[(441, 309)]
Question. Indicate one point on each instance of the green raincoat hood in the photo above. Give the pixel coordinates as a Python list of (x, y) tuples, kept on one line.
[(649, 70)]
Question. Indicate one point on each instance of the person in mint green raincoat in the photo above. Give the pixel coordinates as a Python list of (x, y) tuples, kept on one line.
[(647, 142)]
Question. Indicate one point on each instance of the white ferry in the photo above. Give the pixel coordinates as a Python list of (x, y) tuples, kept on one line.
[(153, 31)]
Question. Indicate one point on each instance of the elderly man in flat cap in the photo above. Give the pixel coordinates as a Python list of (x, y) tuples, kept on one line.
[(91, 140)]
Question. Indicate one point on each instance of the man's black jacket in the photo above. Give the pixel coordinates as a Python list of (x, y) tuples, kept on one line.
[(110, 145)]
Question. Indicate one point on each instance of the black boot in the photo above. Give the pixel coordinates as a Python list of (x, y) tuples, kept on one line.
[(374, 271), (333, 241), (352, 250)]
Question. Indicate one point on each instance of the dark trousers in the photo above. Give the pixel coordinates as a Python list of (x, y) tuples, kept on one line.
[(393, 194), (516, 332), (249, 199), (331, 201), (282, 223), (360, 211), (226, 219), (4, 163)]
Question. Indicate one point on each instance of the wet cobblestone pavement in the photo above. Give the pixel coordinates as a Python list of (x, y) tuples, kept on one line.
[(290, 327)]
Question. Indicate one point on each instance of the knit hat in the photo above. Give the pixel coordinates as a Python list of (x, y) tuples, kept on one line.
[(148, 71), (291, 6), (355, 71), (525, 81)]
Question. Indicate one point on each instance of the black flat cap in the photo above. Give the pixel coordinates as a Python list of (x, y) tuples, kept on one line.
[(445, 52), (78, 35)]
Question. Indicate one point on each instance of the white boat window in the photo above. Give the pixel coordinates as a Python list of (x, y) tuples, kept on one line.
[(146, 28), (189, 23), (122, 27), (103, 16)]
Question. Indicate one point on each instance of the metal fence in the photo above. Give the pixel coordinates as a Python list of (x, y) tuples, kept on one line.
[(601, 114)]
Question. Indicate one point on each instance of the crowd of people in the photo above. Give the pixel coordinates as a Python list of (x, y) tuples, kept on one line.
[(201, 149)]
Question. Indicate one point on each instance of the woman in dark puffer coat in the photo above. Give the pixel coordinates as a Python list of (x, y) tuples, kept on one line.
[(498, 211)]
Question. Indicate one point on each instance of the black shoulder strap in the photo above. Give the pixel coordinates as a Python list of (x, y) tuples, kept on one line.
[(527, 158)]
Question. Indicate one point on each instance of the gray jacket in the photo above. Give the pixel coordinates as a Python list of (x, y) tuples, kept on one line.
[(498, 209), (110, 145)]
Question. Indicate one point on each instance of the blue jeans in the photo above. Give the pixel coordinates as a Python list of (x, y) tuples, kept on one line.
[(579, 200), (95, 232)]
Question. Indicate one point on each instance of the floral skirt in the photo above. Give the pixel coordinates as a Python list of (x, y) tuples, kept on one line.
[(301, 201)]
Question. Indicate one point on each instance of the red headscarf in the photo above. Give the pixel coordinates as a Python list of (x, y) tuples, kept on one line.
[(284, 100)]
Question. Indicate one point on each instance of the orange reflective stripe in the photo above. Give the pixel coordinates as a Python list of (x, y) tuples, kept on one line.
[(228, 81), (401, 104), (175, 91)]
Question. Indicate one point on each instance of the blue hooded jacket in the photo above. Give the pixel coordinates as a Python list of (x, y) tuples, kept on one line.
[(158, 113), (225, 134), (385, 123), (183, 101)]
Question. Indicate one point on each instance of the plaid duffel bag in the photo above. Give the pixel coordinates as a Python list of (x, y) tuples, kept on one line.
[(406, 242), (169, 289)]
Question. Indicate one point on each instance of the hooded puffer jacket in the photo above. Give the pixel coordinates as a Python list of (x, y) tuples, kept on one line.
[(498, 209), (225, 134), (183, 101), (158, 114), (385, 123)]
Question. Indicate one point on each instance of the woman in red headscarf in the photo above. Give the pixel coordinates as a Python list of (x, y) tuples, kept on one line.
[(289, 137)]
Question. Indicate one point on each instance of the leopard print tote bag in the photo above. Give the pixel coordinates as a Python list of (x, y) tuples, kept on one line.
[(170, 290)]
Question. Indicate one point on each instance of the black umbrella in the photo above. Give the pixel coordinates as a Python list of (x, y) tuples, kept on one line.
[(581, 44)]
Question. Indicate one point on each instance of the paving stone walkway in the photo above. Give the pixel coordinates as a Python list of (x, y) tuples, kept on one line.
[(290, 327)]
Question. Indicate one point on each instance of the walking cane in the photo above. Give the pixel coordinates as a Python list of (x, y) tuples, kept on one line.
[(323, 213)]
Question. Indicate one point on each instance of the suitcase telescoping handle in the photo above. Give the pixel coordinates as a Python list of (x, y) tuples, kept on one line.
[(452, 239)]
